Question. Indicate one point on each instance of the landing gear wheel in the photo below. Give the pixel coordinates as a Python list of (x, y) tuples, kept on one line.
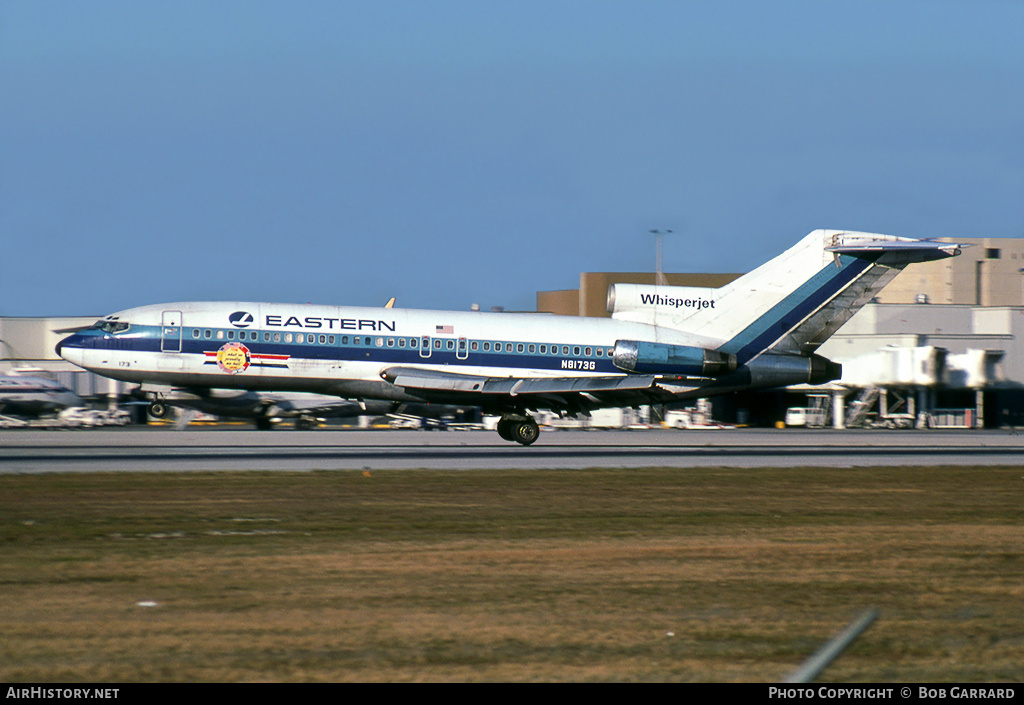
[(157, 410), (525, 432), (520, 428), (505, 429)]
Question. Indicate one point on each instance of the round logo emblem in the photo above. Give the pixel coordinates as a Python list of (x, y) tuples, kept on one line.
[(241, 319), (233, 358)]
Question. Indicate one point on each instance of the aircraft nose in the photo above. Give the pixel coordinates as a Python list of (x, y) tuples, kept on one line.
[(60, 349), (70, 352)]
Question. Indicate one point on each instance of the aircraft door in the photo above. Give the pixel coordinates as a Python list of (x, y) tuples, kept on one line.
[(170, 332), (425, 346), (462, 349)]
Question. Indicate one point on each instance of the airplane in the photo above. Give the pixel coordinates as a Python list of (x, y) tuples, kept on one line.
[(663, 344), (264, 408), (29, 394)]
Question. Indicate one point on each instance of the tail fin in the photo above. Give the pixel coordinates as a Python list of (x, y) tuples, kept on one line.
[(789, 305)]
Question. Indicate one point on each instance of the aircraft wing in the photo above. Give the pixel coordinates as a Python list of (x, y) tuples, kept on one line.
[(568, 393), (297, 405)]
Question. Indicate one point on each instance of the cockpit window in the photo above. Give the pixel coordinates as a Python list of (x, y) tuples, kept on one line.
[(112, 327)]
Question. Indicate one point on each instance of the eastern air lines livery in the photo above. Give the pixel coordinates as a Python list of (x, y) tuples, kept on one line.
[(663, 344)]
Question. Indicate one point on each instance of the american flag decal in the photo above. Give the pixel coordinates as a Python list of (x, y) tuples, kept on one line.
[(444, 329)]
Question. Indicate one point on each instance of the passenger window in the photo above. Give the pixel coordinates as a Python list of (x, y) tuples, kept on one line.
[(508, 347), (437, 344), (195, 332), (220, 335), (520, 348), (207, 334), (587, 352), (487, 347), (473, 346), (543, 349), (330, 340), (277, 337), (565, 349), (323, 338), (576, 350), (450, 345)]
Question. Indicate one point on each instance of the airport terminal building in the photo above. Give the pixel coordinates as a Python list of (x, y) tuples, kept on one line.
[(939, 347)]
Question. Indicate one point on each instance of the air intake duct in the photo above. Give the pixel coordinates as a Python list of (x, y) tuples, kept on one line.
[(660, 358)]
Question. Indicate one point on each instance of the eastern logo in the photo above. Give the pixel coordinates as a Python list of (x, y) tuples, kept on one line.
[(241, 319), (233, 358)]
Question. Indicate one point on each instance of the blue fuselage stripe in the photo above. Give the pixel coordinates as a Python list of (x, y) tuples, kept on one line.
[(148, 339)]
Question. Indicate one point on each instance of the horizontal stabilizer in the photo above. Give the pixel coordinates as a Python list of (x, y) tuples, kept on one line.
[(924, 250)]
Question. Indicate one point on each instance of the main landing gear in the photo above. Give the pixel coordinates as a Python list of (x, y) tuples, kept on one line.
[(519, 428)]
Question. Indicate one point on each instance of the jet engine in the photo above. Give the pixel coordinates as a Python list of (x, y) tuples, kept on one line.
[(771, 370), (660, 358), (766, 370)]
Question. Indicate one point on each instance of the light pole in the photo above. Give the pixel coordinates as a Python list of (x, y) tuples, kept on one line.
[(659, 274)]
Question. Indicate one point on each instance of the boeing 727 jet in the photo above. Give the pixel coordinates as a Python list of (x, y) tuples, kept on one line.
[(663, 344)]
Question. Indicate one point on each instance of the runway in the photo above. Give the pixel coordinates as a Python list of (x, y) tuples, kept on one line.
[(164, 449)]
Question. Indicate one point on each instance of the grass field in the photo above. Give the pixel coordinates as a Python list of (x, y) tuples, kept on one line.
[(641, 575)]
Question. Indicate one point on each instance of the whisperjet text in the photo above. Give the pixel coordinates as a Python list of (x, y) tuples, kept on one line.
[(655, 300), (330, 323)]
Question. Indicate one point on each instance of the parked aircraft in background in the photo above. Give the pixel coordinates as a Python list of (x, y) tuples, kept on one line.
[(31, 394), (663, 344), (265, 408)]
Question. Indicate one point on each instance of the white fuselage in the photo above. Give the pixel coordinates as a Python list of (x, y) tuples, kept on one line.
[(344, 350)]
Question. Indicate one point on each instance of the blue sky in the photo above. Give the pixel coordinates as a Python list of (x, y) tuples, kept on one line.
[(451, 153)]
